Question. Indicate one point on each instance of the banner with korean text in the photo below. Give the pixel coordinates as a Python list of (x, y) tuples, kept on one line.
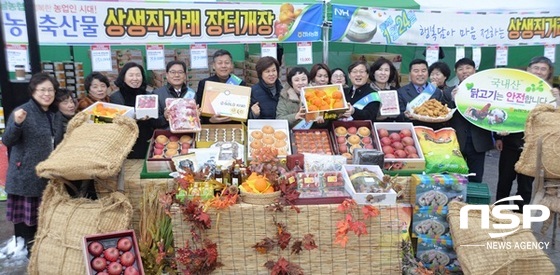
[(64, 22), (444, 28)]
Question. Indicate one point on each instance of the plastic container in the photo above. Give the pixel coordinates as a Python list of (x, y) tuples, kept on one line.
[(478, 193)]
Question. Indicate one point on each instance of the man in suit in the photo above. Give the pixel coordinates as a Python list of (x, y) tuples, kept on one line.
[(473, 140), (418, 83)]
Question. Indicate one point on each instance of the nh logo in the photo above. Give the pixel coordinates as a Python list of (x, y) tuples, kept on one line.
[(497, 213), (341, 12)]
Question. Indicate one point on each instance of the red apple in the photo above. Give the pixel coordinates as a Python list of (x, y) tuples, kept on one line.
[(385, 141), (158, 151), (352, 130), (395, 137), (368, 146), (413, 156), (103, 273), (185, 148), (400, 154), (111, 254), (95, 249), (341, 140), (387, 150), (173, 138), (366, 140), (98, 264), (407, 141), (114, 268), (410, 149), (159, 145), (397, 145), (342, 148), (383, 133), (124, 244), (127, 258), (389, 156), (405, 133), (131, 270)]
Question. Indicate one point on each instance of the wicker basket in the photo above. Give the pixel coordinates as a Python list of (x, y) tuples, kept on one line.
[(260, 199), (432, 119)]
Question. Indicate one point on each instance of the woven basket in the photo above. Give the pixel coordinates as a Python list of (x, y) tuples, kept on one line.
[(236, 229), (64, 221), (432, 119), (475, 258), (90, 150), (260, 199)]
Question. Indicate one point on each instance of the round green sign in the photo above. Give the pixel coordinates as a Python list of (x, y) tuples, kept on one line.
[(500, 99)]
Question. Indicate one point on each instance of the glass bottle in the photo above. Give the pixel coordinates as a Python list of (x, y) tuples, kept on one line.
[(195, 192), (219, 175), (207, 191), (235, 177)]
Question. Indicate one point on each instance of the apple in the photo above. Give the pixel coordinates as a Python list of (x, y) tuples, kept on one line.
[(387, 150), (158, 151), (103, 273), (410, 149), (397, 145), (366, 140), (95, 249), (341, 140), (383, 133), (352, 130), (400, 154), (342, 148), (385, 141), (114, 268), (395, 137), (131, 270), (124, 244), (407, 141), (405, 133), (159, 145), (413, 156), (127, 258), (173, 138), (368, 146), (389, 156), (111, 254), (98, 264)]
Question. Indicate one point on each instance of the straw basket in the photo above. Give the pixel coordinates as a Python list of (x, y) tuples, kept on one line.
[(474, 256), (432, 119), (260, 199), (236, 229)]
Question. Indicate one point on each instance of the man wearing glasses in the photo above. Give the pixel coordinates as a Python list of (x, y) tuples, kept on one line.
[(176, 88)]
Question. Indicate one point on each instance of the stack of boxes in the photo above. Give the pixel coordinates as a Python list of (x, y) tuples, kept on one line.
[(395, 58), (251, 76), (70, 75)]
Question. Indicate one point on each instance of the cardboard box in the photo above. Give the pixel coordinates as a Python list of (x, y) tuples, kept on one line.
[(111, 240), (251, 73), (164, 163), (238, 71), (250, 65), (389, 198), (101, 118), (253, 58), (400, 166), (48, 66), (239, 64), (147, 106), (332, 96), (343, 146), (257, 132), (395, 58), (226, 100)]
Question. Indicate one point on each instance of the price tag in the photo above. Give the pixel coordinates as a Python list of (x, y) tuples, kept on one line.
[(268, 49), (155, 57), (459, 53), (476, 56), (16, 54), (199, 56), (101, 58), (304, 53), (550, 52), (501, 55), (432, 54)]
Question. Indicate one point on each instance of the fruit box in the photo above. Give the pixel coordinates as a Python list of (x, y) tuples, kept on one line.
[(212, 133), (341, 143), (312, 141), (226, 100), (326, 98), (399, 159), (183, 115), (147, 106), (112, 251), (100, 115), (367, 198), (164, 164), (270, 133)]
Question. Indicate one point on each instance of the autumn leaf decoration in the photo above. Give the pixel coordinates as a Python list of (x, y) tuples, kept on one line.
[(352, 223)]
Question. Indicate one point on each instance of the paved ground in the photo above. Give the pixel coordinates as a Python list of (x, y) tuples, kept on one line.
[(18, 267)]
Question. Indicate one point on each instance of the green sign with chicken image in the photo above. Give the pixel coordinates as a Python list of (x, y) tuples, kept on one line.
[(500, 99)]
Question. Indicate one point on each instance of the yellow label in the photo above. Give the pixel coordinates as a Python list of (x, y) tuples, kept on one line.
[(331, 178), (308, 180)]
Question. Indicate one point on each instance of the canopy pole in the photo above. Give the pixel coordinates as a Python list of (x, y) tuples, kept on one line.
[(325, 33)]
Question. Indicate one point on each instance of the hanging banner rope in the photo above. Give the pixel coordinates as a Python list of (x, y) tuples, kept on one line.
[(443, 28)]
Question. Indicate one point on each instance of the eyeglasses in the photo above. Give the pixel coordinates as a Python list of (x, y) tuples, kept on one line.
[(176, 72), (45, 91), (358, 72), (337, 76)]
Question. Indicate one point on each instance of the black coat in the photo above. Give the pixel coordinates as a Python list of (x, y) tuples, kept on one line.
[(268, 102), (406, 94), (370, 111)]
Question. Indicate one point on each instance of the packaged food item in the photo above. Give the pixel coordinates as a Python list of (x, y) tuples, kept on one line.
[(368, 157), (437, 252), (183, 115), (319, 163), (441, 150)]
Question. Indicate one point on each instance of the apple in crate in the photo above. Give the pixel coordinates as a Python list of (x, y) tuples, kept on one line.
[(131, 270), (127, 259), (125, 244), (111, 254), (114, 268), (98, 264), (95, 249)]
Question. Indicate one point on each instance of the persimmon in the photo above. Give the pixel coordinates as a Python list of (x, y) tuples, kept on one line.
[(320, 94), (261, 184), (338, 104), (336, 95)]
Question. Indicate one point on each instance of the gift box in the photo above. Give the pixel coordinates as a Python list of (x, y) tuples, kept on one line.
[(389, 197), (430, 221), (212, 133), (183, 115), (350, 135), (103, 112), (327, 98), (436, 190), (226, 100), (163, 146), (272, 133), (399, 143), (312, 141), (437, 252), (112, 252), (147, 106)]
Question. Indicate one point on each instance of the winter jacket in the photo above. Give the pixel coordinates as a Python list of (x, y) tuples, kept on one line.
[(370, 111), (288, 106), (30, 143), (200, 93), (261, 93)]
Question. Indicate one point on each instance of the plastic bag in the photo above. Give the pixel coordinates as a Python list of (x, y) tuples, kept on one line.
[(441, 150)]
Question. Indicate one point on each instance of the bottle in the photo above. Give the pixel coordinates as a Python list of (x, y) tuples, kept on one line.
[(244, 175), (219, 175), (235, 177), (195, 192), (207, 191)]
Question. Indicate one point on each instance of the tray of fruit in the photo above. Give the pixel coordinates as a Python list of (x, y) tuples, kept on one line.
[(257, 189), (112, 253), (103, 112), (352, 135), (312, 141), (183, 115)]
